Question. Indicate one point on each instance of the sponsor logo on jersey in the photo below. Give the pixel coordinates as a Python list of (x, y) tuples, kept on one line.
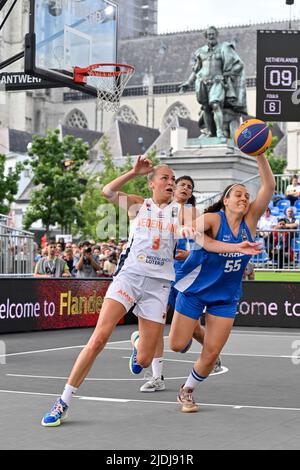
[(141, 258), (226, 237), (125, 295), (157, 260)]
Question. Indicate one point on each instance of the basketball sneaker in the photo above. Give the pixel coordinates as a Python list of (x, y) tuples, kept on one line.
[(187, 347), (133, 366), (186, 400), (154, 384), (218, 366), (57, 415)]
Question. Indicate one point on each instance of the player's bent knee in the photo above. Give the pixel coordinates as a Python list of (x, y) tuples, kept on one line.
[(143, 360), (176, 345)]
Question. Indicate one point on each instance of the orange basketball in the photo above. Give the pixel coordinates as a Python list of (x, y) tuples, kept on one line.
[(253, 137)]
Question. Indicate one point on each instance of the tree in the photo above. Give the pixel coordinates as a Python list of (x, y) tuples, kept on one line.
[(102, 219), (56, 166), (277, 164), (8, 185)]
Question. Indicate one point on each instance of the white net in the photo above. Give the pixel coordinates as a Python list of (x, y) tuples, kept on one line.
[(110, 87)]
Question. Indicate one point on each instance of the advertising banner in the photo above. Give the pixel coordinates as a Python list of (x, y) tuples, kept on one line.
[(42, 304), (270, 304), (46, 304)]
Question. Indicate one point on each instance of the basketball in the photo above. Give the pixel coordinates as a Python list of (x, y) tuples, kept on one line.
[(253, 137)]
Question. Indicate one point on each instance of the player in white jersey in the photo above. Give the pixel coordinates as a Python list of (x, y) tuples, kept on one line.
[(143, 280), (184, 196)]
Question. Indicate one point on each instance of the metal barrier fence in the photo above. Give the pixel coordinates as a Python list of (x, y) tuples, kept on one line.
[(252, 184), (16, 252), (281, 251)]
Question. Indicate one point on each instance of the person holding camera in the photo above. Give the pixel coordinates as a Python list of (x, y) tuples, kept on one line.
[(51, 265), (88, 264), (110, 265)]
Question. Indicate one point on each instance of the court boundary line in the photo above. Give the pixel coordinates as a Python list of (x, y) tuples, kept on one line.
[(129, 348), (160, 402), (97, 379), (89, 379)]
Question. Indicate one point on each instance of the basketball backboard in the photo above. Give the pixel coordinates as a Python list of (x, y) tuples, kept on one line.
[(68, 33)]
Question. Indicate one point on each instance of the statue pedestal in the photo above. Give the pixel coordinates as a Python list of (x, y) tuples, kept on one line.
[(212, 164)]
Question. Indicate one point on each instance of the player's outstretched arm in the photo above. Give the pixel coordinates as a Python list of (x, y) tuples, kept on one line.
[(209, 222), (264, 195), (111, 192), (246, 247)]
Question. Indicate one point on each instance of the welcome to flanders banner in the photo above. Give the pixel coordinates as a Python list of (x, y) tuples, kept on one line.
[(47, 304)]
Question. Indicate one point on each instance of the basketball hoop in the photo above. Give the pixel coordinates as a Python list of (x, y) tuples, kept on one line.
[(109, 80)]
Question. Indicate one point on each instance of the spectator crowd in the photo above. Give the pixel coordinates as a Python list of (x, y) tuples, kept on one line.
[(278, 230), (86, 259)]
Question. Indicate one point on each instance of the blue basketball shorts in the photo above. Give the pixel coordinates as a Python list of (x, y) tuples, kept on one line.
[(192, 306), (173, 295)]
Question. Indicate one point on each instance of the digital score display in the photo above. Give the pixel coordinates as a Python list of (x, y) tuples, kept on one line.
[(278, 75)]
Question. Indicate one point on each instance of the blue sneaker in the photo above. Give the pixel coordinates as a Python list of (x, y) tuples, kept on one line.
[(57, 415), (187, 347), (133, 366)]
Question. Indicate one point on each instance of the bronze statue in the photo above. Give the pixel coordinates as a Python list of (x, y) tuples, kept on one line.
[(220, 84)]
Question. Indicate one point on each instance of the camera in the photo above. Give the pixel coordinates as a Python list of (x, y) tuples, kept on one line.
[(50, 271), (88, 250), (113, 257)]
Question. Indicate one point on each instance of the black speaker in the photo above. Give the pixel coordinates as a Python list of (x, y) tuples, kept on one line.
[(289, 2)]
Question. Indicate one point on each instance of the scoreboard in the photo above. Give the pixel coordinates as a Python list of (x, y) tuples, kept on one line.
[(278, 75)]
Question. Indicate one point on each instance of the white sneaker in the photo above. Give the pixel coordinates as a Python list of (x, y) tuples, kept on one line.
[(185, 398), (134, 337), (155, 384), (218, 366)]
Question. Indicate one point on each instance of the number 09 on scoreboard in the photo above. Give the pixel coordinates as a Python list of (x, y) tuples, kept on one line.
[(280, 77)]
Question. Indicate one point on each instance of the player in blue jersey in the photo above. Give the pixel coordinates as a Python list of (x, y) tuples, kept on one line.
[(183, 195), (214, 280)]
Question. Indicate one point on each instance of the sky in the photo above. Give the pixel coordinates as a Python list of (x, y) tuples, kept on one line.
[(182, 15)]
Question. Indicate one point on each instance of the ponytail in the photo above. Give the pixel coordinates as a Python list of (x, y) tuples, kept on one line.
[(216, 207), (192, 200)]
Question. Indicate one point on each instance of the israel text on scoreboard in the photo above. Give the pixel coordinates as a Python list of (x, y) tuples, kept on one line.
[(278, 75)]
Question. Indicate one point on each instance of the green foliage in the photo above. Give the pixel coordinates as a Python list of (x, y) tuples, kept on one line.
[(8, 185), (276, 163), (56, 167), (95, 207)]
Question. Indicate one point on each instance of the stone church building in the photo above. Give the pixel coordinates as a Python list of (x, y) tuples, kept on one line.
[(151, 99)]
